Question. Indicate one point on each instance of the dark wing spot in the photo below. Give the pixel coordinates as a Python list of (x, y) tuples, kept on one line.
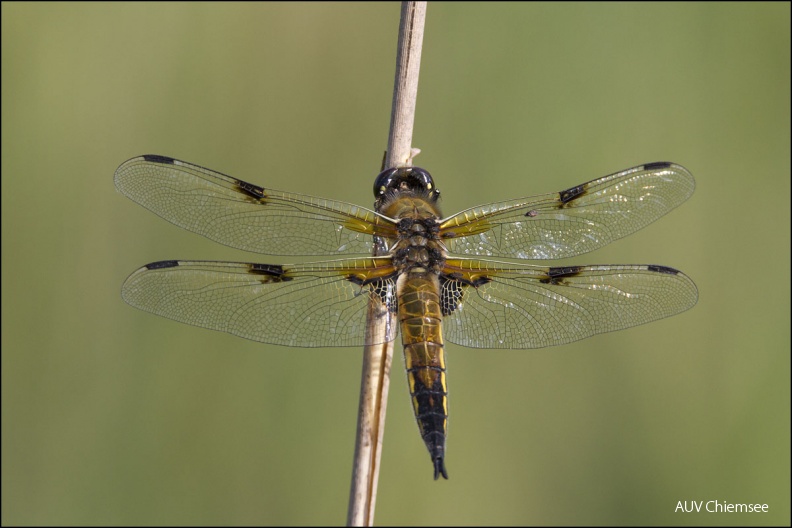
[(382, 287), (266, 269), (452, 289), (361, 280), (162, 264), (354, 279), (254, 191), (572, 193), (662, 269), (657, 165), (564, 271), (554, 275), (532, 213), (481, 281), (270, 272), (156, 158)]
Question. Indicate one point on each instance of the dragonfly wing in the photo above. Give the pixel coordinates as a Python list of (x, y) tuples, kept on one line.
[(571, 222), (321, 304), (245, 216), (501, 305)]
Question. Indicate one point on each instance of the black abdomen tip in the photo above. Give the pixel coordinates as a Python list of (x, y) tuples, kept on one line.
[(439, 468)]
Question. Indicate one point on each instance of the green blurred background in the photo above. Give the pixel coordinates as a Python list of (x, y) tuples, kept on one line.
[(111, 415)]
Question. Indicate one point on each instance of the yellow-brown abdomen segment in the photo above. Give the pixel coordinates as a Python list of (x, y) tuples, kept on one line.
[(422, 335)]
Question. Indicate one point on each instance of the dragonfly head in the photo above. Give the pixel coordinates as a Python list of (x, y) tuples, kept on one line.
[(413, 180)]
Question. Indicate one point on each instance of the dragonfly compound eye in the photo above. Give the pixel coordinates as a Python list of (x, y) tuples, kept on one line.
[(384, 181), (413, 179)]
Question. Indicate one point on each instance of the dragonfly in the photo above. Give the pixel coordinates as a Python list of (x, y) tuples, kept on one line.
[(431, 274)]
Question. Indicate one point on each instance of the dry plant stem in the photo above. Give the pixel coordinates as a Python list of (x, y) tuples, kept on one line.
[(405, 86), (377, 359)]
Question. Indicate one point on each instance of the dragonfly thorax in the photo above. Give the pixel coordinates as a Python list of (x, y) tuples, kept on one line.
[(419, 247)]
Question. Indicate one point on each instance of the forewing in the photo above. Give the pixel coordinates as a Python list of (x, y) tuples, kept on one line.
[(571, 222), (321, 304), (245, 216), (501, 305)]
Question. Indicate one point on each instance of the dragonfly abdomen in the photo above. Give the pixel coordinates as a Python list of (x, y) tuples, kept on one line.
[(422, 335)]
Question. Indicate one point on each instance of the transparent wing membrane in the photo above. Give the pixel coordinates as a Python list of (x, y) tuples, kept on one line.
[(245, 216), (571, 222), (321, 304), (485, 304), (502, 305)]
